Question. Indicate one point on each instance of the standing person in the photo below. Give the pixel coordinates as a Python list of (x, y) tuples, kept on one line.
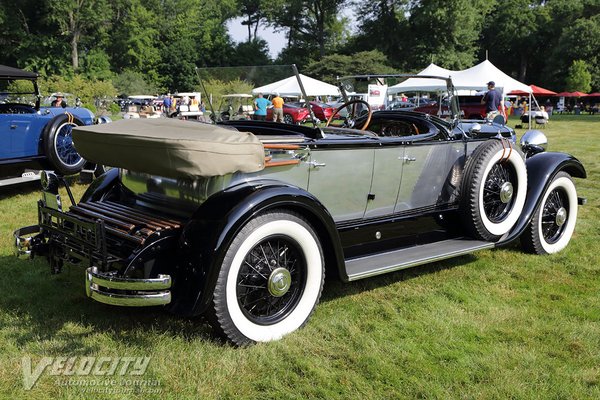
[(277, 108), (491, 100), (167, 104), (260, 108)]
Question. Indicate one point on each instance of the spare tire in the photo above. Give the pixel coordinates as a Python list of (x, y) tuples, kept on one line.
[(58, 144), (493, 190)]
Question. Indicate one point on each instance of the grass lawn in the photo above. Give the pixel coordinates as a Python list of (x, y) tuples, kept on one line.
[(493, 325)]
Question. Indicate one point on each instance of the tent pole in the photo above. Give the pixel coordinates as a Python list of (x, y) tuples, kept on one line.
[(529, 111)]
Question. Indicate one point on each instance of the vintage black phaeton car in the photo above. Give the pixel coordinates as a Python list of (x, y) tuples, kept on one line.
[(241, 221)]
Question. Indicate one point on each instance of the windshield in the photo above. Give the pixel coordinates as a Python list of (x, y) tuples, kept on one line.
[(18, 91), (265, 93)]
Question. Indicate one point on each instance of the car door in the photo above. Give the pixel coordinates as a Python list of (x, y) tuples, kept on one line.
[(387, 174), (430, 174), (340, 176), (16, 135)]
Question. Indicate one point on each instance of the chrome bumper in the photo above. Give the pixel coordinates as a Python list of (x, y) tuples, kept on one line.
[(24, 239), (148, 292)]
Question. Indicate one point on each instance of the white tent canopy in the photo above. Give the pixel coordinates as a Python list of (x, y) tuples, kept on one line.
[(474, 78), (478, 76), (291, 87), (422, 84)]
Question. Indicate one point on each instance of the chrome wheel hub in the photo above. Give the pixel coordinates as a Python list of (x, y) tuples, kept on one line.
[(279, 282), (561, 216), (506, 192)]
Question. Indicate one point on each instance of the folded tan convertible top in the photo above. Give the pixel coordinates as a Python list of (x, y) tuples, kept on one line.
[(170, 147)]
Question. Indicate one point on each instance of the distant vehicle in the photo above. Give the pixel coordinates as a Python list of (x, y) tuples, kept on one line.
[(236, 106), (401, 105), (141, 106), (293, 113), (190, 110), (321, 110), (470, 108), (33, 137)]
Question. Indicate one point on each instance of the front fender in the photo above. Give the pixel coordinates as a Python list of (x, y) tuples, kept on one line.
[(208, 235), (541, 169)]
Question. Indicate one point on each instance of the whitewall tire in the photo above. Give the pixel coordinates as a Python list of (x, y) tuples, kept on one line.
[(493, 190), (270, 280), (553, 223)]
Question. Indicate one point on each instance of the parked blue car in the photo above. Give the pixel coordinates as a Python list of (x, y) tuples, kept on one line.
[(35, 137)]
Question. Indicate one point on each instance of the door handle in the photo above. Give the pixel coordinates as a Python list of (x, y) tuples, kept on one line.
[(13, 127), (407, 159), (316, 164)]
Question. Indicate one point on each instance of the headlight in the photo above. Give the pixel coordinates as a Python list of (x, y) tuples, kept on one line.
[(49, 182)]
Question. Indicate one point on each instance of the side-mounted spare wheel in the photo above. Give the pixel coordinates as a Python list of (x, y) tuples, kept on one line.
[(270, 280), (553, 223), (493, 190), (58, 144)]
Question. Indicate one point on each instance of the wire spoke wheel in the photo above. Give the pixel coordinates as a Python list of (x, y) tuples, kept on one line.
[(554, 215), (270, 280), (63, 145), (553, 222), (499, 192), (493, 190)]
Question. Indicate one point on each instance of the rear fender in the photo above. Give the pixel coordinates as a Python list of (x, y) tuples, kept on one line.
[(541, 169), (208, 235), (101, 185)]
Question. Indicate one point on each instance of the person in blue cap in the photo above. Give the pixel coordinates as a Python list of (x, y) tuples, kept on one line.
[(491, 100)]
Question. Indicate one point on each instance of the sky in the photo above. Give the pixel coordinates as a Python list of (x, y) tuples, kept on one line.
[(239, 33), (276, 40)]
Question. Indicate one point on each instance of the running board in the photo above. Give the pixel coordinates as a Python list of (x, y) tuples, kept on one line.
[(376, 264), (25, 177)]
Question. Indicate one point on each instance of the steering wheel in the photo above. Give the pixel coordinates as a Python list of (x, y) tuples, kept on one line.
[(351, 120)]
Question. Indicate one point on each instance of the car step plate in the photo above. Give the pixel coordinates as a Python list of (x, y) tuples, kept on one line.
[(380, 263)]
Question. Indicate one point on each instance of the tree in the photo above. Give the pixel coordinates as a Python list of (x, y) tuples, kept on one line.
[(129, 83), (447, 31), (134, 41), (335, 65), (310, 24), (383, 19), (255, 52), (578, 77), (513, 27), (579, 41), (76, 19)]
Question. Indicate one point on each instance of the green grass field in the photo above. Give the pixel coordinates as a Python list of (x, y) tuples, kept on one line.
[(497, 324)]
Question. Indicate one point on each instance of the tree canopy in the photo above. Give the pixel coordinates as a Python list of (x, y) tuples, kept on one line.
[(157, 44)]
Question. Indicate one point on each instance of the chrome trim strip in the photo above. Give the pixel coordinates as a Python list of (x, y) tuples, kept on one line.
[(150, 290), (111, 282), (154, 299)]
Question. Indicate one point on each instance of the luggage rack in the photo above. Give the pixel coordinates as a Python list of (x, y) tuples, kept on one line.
[(104, 232)]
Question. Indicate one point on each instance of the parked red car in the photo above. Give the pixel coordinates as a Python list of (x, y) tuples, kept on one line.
[(321, 110), (293, 113), (470, 108)]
